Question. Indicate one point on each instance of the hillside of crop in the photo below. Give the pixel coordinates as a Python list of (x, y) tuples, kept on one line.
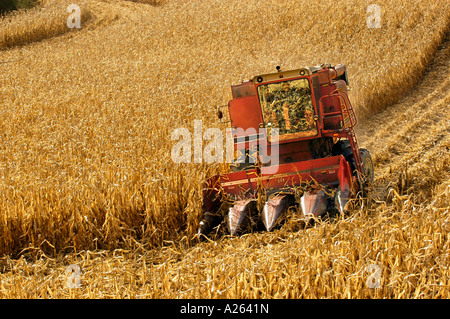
[(86, 175)]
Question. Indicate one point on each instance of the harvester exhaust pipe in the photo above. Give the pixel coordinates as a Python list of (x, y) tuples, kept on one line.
[(239, 215), (273, 209)]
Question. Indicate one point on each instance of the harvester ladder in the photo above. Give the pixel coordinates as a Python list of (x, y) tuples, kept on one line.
[(348, 122), (345, 111), (348, 115)]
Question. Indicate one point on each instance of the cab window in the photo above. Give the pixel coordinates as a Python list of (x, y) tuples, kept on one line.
[(288, 106)]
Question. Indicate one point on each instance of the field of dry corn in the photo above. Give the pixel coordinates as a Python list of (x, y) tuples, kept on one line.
[(86, 175)]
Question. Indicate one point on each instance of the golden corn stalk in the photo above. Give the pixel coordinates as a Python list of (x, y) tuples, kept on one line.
[(86, 175)]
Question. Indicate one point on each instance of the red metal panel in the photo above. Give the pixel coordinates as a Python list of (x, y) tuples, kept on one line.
[(245, 112), (323, 170), (324, 76), (345, 174), (239, 182), (295, 151)]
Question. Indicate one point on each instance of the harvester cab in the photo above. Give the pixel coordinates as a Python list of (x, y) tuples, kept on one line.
[(294, 145)]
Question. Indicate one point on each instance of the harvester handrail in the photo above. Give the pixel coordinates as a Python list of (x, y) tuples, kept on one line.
[(348, 107), (345, 106)]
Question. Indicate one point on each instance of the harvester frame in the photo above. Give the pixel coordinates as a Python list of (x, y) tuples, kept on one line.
[(319, 166)]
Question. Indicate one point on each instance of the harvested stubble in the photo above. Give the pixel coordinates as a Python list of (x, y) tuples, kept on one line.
[(86, 120), (329, 261)]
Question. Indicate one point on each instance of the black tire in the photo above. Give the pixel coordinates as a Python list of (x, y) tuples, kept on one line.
[(344, 148), (208, 222)]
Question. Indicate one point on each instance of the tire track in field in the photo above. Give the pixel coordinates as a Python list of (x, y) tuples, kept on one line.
[(410, 140)]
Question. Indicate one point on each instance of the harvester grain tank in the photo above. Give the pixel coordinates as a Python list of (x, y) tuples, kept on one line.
[(306, 116)]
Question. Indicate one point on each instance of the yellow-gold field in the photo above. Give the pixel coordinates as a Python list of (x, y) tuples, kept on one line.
[(86, 175)]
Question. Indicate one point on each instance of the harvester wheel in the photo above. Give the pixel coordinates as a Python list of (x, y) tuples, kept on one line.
[(208, 222), (344, 148)]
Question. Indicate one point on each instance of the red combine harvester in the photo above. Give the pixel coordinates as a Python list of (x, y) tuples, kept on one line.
[(304, 117)]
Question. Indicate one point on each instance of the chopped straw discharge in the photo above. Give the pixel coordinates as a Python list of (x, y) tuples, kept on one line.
[(86, 175)]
